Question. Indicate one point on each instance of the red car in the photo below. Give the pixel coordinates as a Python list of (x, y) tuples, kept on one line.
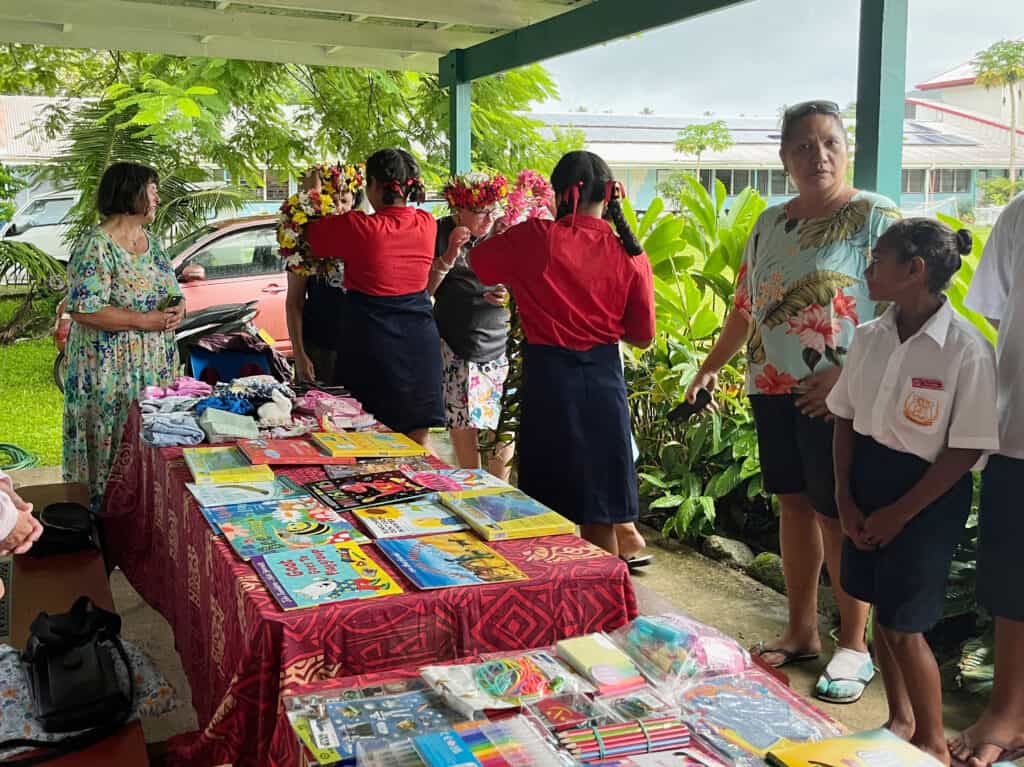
[(228, 262)]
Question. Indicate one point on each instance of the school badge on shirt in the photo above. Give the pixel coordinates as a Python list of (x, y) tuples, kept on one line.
[(921, 407)]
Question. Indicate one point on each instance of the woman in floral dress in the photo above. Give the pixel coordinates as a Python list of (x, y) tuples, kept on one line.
[(800, 293), (122, 334)]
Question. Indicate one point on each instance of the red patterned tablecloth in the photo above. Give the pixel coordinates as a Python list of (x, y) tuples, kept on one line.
[(240, 651)]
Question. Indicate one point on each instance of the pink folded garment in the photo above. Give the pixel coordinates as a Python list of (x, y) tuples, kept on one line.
[(185, 386)]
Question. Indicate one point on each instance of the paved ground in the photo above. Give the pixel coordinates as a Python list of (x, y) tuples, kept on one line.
[(679, 579)]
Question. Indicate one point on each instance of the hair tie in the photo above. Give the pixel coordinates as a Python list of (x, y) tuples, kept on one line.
[(574, 192), (613, 190)]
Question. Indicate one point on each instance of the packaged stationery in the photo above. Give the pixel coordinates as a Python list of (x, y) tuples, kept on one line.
[(565, 712), (498, 514), (863, 749), (233, 494), (505, 682), (503, 743), (368, 444), (223, 465), (422, 517), (641, 703), (747, 715), (449, 559), (257, 536), (674, 647), (296, 451), (695, 754), (322, 575), (367, 490), (598, 659), (599, 744)]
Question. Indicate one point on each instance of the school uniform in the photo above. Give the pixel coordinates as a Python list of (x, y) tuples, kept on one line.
[(391, 355), (578, 294), (908, 402), (997, 291)]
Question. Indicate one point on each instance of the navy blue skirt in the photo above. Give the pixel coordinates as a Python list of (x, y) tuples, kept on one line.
[(575, 449), (390, 359)]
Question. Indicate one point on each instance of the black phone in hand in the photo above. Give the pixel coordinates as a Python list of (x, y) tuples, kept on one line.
[(685, 410)]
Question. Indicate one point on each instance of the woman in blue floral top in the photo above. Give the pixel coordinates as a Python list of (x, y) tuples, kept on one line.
[(122, 334), (800, 293)]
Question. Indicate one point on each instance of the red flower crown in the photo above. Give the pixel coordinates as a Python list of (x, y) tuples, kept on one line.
[(475, 190)]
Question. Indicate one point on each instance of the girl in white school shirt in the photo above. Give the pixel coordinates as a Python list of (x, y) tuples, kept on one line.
[(915, 410)]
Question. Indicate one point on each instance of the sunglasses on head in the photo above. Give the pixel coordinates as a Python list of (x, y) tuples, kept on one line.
[(805, 108)]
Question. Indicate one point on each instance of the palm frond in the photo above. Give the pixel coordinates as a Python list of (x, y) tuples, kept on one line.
[(22, 263)]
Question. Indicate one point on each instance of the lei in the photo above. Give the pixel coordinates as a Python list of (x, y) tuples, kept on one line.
[(475, 190), (532, 197), (305, 206)]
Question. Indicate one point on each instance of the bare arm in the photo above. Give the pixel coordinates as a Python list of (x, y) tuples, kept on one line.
[(734, 334), (114, 319)]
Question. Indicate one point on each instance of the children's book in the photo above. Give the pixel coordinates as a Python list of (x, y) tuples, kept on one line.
[(367, 490), (451, 559), (422, 517), (223, 465), (864, 749), (746, 715), (598, 659), (287, 451), (497, 514), (246, 492), (368, 444), (322, 575), (693, 755), (454, 480), (377, 465), (288, 530), (334, 729), (299, 507)]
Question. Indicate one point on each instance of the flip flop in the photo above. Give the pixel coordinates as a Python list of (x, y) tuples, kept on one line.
[(636, 562), (788, 656), (1006, 754)]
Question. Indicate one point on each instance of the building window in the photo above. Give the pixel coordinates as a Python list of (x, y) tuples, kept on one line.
[(706, 178), (962, 181), (277, 185), (779, 185), (740, 180), (913, 182), (762, 182), (950, 181)]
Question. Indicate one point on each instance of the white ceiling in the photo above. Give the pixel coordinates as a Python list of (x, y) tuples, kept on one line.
[(382, 34)]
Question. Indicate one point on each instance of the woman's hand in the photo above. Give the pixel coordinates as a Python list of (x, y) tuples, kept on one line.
[(497, 297), (704, 379), (26, 532), (312, 182), (160, 321), (304, 370), (816, 388)]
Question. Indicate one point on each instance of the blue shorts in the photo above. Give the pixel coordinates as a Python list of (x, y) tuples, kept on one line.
[(1001, 530)]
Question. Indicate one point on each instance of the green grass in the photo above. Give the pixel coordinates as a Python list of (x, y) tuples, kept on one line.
[(31, 407)]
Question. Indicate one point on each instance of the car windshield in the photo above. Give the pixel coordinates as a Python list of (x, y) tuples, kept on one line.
[(45, 212), (188, 240)]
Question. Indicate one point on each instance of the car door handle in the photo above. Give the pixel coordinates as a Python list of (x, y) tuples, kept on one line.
[(272, 288)]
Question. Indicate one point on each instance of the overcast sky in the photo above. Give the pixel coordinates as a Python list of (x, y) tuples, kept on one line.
[(753, 57)]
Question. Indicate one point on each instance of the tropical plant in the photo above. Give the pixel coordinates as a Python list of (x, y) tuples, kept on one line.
[(1002, 65), (22, 263), (999, 191), (10, 185), (698, 138), (960, 283)]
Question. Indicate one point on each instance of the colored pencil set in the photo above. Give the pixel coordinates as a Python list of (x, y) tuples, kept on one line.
[(643, 736)]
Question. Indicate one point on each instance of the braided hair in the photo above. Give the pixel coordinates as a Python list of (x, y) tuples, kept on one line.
[(935, 243), (591, 176), (398, 172)]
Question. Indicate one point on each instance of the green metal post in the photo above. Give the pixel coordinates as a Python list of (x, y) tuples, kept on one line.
[(881, 90), (460, 96)]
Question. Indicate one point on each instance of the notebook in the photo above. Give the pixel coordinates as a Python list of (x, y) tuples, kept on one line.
[(598, 659)]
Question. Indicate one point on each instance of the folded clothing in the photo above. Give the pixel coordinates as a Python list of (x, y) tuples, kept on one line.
[(170, 429), (221, 425), (257, 389), (232, 403), (185, 386), (172, 404)]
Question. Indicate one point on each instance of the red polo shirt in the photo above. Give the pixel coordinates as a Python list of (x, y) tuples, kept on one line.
[(575, 286), (386, 254)]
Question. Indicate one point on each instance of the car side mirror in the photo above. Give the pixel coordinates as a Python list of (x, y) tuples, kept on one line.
[(192, 273)]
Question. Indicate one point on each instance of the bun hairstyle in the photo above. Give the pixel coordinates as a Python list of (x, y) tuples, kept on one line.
[(398, 172), (932, 241), (582, 177)]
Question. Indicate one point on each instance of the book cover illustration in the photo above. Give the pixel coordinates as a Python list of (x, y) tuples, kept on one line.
[(369, 723), (300, 507), (454, 480), (423, 517), (598, 659), (499, 514), (377, 465), (368, 444), (876, 748), (295, 451), (216, 465), (322, 575), (287, 529), (749, 714), (367, 490), (452, 559), (282, 488)]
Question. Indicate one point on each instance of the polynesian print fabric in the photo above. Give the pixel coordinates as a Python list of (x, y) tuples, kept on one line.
[(108, 370), (802, 282)]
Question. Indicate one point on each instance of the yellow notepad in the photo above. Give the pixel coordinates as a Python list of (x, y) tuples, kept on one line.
[(368, 444)]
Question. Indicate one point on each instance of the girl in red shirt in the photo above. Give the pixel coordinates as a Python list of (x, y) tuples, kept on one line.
[(391, 355), (580, 289)]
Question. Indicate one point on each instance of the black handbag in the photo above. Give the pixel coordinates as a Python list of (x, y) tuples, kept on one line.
[(69, 661), (67, 528)]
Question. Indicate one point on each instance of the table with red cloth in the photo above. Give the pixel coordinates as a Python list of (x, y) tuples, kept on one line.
[(240, 651)]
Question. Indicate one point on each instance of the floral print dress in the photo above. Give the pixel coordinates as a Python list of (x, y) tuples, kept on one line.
[(802, 282), (107, 370)]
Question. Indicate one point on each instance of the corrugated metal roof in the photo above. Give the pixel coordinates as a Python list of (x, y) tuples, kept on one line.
[(22, 137)]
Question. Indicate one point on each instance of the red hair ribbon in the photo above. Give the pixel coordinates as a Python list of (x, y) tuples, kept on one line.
[(613, 190), (574, 193)]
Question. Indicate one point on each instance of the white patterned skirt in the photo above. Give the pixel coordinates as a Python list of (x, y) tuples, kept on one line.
[(472, 390)]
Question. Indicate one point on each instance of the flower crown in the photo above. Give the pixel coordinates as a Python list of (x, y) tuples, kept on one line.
[(339, 178), (531, 198), (475, 190)]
